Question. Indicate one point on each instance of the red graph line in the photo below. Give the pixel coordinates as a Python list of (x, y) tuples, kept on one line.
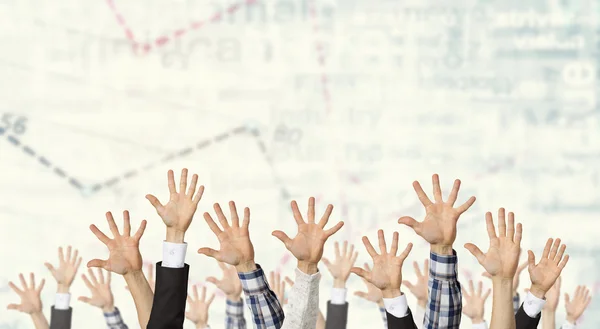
[(164, 39)]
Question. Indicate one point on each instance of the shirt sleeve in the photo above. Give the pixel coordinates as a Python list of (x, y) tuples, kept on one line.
[(338, 296), (533, 305), (482, 325), (419, 316), (396, 306), (516, 302), (262, 301), (234, 315), (383, 316), (303, 302), (114, 320), (444, 306), (62, 301), (174, 254)]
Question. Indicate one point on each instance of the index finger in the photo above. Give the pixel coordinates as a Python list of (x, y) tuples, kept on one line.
[(421, 194)]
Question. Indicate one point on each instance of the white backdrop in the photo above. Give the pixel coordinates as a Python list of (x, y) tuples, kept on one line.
[(349, 101)]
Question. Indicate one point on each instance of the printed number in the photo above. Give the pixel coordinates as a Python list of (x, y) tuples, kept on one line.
[(16, 124)]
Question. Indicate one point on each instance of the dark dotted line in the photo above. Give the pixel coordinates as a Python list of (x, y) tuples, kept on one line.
[(45, 162), (178, 154)]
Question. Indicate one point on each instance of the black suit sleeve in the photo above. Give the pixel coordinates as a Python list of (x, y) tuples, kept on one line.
[(406, 322), (61, 319), (523, 321), (168, 307), (337, 316)]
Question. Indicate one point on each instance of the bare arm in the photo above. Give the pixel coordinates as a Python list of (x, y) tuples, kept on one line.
[(142, 295), (31, 302)]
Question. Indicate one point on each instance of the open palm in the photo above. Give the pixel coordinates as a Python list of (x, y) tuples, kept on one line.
[(545, 273), (31, 301), (230, 284), (386, 274), (439, 225), (235, 245), (182, 205), (124, 253), (502, 258), (307, 245), (373, 294)]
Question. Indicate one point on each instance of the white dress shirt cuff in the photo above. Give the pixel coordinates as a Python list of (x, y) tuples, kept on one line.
[(568, 325), (481, 325), (174, 254), (396, 306), (338, 296), (62, 301), (533, 305)]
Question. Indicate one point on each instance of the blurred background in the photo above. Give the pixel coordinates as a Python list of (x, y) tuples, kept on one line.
[(273, 100)]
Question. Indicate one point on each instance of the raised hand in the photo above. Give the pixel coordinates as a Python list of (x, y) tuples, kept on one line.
[(439, 226), (387, 267), (576, 307), (373, 294), (177, 214), (307, 245), (198, 310), (67, 269), (544, 274), (230, 284), (278, 286), (124, 249), (501, 259), (552, 296), (420, 289), (102, 296), (235, 246), (475, 302), (31, 301), (340, 267)]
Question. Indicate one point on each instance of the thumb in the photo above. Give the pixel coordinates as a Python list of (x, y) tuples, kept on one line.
[(567, 299), (409, 221), (327, 263), (154, 201), (97, 263), (475, 251), (213, 280), (208, 252), (487, 275), (361, 294), (289, 281), (360, 272), (13, 307), (530, 259), (50, 268), (84, 299), (283, 238), (408, 285)]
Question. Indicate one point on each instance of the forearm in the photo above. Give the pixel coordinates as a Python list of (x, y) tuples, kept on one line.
[(502, 305), (304, 306), (321, 321), (142, 295), (444, 307), (263, 303), (39, 320), (234, 313), (548, 319)]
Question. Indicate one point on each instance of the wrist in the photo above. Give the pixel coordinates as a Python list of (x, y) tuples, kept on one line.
[(571, 319), (380, 303), (422, 302), (537, 291), (391, 293), (339, 283), (36, 314), (63, 288), (307, 267), (175, 235), (201, 325), (246, 267), (108, 309), (441, 249)]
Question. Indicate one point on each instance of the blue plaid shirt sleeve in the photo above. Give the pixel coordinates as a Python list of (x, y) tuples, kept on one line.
[(444, 306), (114, 320), (383, 316), (234, 315), (262, 301), (516, 303)]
